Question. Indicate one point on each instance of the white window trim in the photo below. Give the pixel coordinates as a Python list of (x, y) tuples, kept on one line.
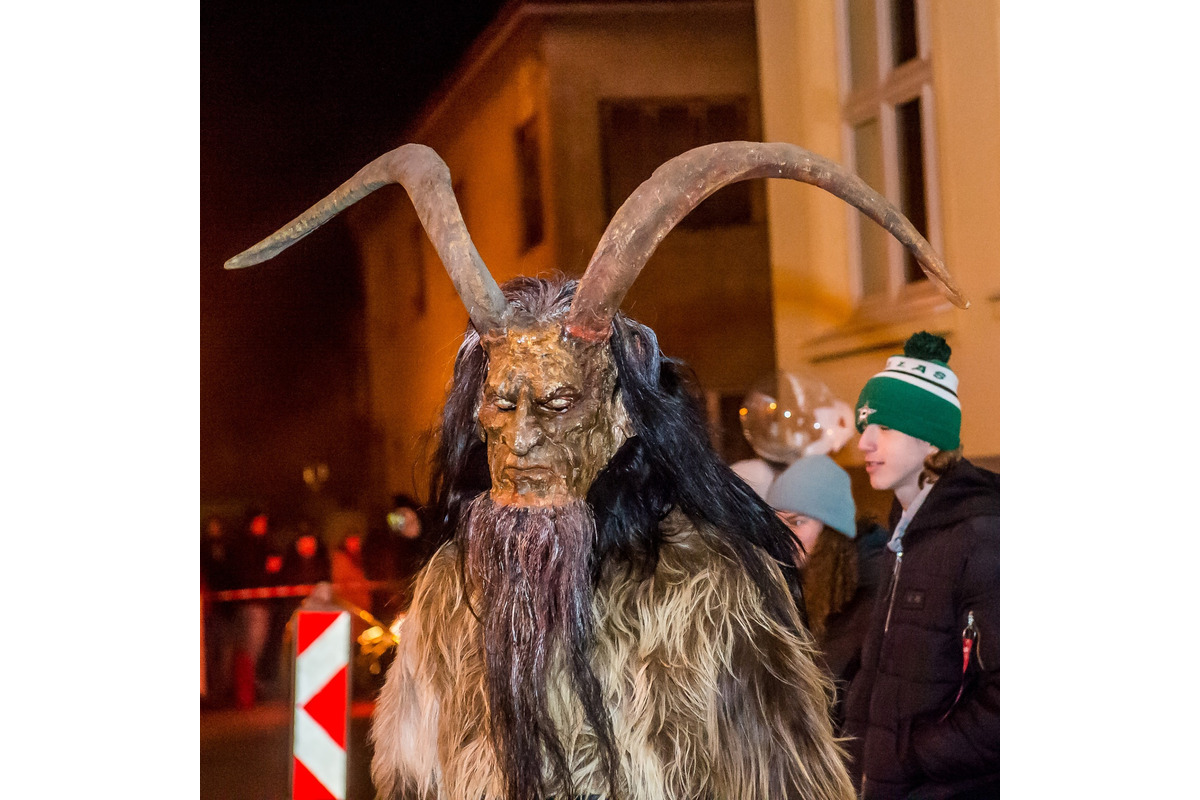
[(914, 79)]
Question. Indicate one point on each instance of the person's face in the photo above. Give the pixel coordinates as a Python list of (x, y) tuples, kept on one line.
[(550, 416), (894, 460), (805, 529)]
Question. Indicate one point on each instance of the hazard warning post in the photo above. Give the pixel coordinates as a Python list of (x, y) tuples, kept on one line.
[(321, 700)]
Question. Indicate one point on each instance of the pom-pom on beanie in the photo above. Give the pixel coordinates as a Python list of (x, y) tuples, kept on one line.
[(816, 487), (917, 394)]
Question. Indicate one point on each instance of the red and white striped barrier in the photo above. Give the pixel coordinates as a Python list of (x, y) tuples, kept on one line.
[(321, 705)]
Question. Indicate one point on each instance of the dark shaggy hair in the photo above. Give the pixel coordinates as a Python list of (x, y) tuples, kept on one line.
[(668, 463)]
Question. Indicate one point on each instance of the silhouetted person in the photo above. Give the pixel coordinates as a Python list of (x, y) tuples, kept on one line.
[(220, 618), (349, 579), (379, 567), (256, 565), (305, 564)]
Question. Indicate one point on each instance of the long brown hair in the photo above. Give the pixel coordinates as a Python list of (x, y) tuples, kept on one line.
[(829, 578)]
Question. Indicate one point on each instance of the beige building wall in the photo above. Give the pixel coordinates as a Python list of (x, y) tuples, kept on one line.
[(819, 327), (706, 294), (415, 319)]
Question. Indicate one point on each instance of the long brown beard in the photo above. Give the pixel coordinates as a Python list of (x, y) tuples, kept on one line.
[(531, 570)]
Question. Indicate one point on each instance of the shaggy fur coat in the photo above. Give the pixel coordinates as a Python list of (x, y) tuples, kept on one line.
[(709, 696)]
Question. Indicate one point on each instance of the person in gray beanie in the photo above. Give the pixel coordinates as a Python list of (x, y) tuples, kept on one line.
[(840, 560), (811, 494)]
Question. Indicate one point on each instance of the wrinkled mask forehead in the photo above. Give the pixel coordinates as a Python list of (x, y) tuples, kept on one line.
[(549, 415), (546, 358)]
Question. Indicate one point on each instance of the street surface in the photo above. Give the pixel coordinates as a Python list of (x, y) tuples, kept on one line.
[(246, 755)]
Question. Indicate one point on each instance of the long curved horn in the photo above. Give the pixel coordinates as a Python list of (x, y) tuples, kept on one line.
[(426, 178), (682, 183)]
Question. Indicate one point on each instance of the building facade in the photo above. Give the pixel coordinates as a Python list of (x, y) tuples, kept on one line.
[(561, 109), (555, 116), (906, 93)]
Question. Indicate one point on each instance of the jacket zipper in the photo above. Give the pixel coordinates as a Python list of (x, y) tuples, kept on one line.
[(895, 582)]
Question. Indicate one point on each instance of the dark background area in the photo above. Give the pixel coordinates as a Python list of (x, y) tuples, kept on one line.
[(295, 98)]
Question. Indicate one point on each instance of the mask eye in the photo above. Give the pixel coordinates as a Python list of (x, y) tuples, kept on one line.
[(557, 403), (503, 404)]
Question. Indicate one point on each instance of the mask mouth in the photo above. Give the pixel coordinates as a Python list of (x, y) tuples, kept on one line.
[(530, 479), (532, 473)]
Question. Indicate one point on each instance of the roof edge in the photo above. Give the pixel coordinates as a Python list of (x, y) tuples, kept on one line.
[(511, 17)]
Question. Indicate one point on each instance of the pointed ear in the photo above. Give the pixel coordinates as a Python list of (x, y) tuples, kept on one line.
[(620, 417)]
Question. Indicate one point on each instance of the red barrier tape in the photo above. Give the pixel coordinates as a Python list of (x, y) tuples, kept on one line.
[(267, 592)]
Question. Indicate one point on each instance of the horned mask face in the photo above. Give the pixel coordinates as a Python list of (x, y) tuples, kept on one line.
[(549, 412), (550, 415)]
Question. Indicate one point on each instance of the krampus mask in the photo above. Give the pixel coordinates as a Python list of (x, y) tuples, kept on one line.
[(549, 413)]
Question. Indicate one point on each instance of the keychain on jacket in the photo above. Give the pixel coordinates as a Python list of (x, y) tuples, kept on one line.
[(970, 638)]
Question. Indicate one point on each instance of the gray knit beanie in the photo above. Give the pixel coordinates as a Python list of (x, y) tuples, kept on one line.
[(816, 487)]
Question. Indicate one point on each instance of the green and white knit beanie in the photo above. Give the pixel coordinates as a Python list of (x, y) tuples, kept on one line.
[(917, 394)]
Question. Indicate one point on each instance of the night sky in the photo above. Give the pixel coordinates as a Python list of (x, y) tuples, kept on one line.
[(294, 100)]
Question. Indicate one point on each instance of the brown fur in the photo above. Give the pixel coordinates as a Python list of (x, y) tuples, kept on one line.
[(709, 696)]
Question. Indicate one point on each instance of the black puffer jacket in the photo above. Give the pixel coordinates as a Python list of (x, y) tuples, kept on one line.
[(845, 630), (912, 738)]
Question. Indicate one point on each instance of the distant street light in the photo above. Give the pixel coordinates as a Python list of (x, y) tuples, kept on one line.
[(315, 476)]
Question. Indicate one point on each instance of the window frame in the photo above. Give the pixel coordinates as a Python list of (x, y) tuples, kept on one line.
[(739, 204), (894, 86), (527, 149)]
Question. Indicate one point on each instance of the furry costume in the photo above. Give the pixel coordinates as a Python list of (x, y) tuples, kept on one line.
[(705, 681), (617, 614), (710, 697)]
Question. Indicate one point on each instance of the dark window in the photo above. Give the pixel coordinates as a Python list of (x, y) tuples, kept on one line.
[(904, 31), (912, 178), (529, 163), (638, 136)]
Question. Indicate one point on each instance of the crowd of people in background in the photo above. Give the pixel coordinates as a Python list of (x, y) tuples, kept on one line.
[(905, 616), (244, 635)]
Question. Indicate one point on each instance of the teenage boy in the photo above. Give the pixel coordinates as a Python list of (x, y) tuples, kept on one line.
[(924, 709)]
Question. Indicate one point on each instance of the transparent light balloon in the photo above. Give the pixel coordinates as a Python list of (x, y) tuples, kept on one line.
[(786, 415)]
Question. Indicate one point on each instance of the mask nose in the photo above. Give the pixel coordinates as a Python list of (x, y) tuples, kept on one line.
[(525, 431)]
